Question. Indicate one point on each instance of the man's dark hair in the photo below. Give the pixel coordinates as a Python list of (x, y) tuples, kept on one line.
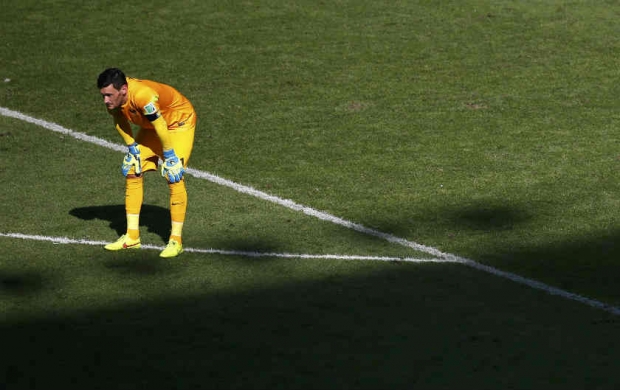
[(113, 76)]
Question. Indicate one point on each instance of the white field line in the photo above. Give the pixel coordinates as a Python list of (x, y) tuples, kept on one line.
[(328, 217), (66, 240)]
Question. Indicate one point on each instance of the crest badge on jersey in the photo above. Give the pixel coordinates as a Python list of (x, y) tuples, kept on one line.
[(150, 109)]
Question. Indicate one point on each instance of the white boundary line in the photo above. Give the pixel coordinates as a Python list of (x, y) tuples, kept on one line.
[(328, 217), (66, 240)]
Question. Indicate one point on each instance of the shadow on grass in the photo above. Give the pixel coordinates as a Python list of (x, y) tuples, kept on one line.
[(586, 264), (476, 216), (432, 326), (486, 217), (21, 283), (156, 219), (139, 263), (247, 244)]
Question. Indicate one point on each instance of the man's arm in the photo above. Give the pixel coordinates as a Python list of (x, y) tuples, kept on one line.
[(172, 168), (161, 128), (124, 128), (132, 158)]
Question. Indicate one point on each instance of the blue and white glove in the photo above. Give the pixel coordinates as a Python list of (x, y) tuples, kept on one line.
[(132, 160), (172, 168)]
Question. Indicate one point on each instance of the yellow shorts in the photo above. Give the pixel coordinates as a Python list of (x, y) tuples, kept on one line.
[(151, 150)]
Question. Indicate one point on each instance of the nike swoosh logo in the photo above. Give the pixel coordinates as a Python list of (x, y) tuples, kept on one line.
[(129, 246)]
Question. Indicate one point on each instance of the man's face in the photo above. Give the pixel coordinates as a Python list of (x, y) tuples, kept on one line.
[(114, 98)]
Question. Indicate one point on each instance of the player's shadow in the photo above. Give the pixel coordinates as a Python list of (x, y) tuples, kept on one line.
[(154, 218)]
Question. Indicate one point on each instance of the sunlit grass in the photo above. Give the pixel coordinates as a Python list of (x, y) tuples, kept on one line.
[(482, 129)]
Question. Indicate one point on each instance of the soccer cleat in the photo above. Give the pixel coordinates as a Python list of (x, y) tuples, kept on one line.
[(124, 242), (173, 249)]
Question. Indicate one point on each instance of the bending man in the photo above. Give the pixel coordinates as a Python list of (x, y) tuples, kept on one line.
[(166, 121)]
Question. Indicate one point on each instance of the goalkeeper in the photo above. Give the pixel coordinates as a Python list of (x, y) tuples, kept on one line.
[(166, 121)]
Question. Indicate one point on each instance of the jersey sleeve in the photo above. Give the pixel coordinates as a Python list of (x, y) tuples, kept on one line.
[(147, 101)]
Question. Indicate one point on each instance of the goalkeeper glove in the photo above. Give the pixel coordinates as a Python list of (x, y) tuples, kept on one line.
[(132, 160), (172, 168)]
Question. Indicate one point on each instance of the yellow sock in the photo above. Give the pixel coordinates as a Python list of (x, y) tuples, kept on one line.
[(178, 207), (134, 195)]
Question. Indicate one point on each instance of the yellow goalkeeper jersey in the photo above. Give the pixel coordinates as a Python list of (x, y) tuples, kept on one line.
[(148, 100)]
